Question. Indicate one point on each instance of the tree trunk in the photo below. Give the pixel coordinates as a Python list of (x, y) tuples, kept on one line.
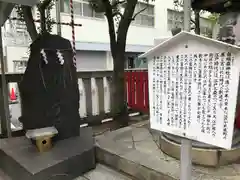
[(119, 94), (118, 45), (197, 21), (42, 9), (28, 18), (43, 20)]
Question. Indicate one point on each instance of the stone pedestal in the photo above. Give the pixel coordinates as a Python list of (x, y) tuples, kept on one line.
[(68, 159), (202, 154)]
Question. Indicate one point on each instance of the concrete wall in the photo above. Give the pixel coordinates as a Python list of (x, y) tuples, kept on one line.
[(86, 60), (15, 54), (161, 20), (91, 60), (96, 30)]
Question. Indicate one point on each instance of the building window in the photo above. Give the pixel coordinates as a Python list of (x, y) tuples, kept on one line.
[(81, 8), (19, 66), (206, 27), (175, 19), (143, 64), (206, 31), (145, 18)]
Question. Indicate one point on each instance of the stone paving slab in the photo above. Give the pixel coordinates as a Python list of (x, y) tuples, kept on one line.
[(103, 173), (100, 173), (134, 151)]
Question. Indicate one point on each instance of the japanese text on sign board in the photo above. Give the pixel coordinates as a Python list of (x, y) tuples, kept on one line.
[(172, 81)]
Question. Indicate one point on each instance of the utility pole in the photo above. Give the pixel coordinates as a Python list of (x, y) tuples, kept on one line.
[(58, 17), (187, 15), (186, 144)]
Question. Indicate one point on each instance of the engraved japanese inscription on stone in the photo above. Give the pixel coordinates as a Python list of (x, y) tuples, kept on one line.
[(191, 96)]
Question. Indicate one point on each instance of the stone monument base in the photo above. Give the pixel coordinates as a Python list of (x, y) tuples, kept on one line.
[(68, 159), (203, 155)]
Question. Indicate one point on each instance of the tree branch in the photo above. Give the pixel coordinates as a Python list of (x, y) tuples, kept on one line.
[(28, 18), (193, 21), (140, 12), (197, 22), (111, 28), (117, 3), (124, 24), (118, 13), (42, 8), (45, 4)]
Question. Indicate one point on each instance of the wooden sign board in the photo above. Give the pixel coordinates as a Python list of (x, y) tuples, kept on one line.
[(193, 85)]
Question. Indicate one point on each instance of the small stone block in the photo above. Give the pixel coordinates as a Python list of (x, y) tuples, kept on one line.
[(44, 143), (42, 137), (70, 158)]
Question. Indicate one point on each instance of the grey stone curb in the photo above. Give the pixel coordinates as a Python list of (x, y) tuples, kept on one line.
[(151, 166), (131, 168), (130, 161)]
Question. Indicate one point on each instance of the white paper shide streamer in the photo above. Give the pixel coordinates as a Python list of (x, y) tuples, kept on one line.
[(60, 57), (43, 53)]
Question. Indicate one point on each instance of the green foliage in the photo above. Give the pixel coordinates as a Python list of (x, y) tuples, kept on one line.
[(49, 20), (214, 17)]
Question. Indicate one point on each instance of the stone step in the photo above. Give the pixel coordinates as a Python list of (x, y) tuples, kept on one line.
[(101, 172), (132, 150)]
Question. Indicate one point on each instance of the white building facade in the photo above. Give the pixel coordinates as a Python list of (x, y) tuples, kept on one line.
[(92, 39)]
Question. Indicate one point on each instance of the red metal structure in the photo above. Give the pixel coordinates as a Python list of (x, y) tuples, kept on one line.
[(137, 90)]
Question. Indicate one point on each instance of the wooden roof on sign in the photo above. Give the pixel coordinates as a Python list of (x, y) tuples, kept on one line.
[(218, 6)]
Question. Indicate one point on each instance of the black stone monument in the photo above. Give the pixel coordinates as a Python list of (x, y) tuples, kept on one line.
[(50, 98), (49, 88)]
